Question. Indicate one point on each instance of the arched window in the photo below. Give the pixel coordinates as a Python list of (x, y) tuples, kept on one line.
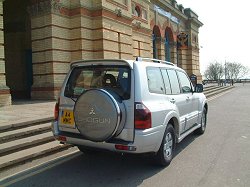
[(156, 41), (137, 11), (168, 41), (154, 46), (167, 48)]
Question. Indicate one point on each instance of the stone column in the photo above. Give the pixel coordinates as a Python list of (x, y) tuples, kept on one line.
[(5, 97), (159, 48), (193, 50), (173, 52), (162, 49), (51, 47), (182, 59), (193, 63)]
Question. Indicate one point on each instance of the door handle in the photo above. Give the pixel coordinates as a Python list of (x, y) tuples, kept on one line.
[(172, 100)]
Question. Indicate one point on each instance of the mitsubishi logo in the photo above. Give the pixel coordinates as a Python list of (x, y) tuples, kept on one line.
[(92, 112)]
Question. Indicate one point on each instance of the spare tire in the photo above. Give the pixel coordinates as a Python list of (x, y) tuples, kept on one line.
[(98, 115)]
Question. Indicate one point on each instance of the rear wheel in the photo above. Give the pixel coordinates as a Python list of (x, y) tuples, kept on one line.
[(165, 154)]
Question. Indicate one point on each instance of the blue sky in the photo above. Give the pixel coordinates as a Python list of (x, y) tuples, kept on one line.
[(225, 35)]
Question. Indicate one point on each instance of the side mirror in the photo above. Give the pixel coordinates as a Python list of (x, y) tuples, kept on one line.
[(199, 88)]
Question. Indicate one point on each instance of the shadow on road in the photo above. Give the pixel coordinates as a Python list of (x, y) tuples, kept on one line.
[(185, 142), (101, 169)]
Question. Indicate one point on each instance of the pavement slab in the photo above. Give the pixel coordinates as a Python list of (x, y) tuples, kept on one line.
[(22, 111)]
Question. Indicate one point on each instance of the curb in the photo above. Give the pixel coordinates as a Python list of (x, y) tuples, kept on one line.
[(33, 156), (214, 90), (11, 125), (211, 94), (25, 134), (9, 150)]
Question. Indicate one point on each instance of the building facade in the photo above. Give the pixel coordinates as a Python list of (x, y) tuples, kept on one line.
[(39, 39)]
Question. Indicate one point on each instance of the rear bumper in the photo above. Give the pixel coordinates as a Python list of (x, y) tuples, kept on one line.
[(145, 141)]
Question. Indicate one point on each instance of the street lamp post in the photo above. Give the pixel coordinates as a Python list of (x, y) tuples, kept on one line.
[(225, 73)]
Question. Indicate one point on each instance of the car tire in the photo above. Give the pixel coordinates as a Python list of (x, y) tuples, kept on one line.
[(202, 129), (166, 152)]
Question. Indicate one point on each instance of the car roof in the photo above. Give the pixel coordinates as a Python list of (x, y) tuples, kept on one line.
[(101, 62), (130, 63)]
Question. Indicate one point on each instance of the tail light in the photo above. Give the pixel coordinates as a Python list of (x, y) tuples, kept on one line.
[(142, 117), (61, 138), (56, 110), (125, 147)]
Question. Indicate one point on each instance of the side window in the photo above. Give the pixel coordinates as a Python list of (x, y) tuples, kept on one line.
[(155, 82), (185, 83), (166, 81), (174, 81)]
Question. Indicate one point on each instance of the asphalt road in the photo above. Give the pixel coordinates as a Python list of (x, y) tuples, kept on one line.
[(220, 157)]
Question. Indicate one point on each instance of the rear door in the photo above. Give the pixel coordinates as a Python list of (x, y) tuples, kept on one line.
[(114, 77)]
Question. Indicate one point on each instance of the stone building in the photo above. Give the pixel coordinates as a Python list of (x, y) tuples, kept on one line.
[(39, 39)]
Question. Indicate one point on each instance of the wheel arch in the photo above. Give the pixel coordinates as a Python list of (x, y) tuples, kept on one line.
[(174, 121), (172, 118)]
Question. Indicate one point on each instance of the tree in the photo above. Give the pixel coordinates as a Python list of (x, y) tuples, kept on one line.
[(214, 71), (235, 70)]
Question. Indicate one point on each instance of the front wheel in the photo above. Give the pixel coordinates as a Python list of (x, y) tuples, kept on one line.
[(166, 152), (202, 129)]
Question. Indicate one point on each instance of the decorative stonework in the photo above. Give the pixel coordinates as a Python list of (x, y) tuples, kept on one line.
[(118, 12), (45, 7)]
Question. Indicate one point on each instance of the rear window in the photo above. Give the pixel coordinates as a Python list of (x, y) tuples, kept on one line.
[(111, 78)]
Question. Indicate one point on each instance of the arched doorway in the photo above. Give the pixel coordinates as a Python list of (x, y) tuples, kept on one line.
[(156, 40), (168, 44), (17, 44)]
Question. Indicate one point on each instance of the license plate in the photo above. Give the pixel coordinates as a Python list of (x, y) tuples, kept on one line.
[(67, 117)]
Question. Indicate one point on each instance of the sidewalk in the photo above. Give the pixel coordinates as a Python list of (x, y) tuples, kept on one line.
[(31, 111), (21, 112)]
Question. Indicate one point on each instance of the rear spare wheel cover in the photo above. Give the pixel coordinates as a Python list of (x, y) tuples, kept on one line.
[(97, 115)]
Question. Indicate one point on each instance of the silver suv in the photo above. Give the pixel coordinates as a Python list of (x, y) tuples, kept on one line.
[(129, 106)]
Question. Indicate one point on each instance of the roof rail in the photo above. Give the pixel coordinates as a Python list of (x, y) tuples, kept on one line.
[(139, 59)]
